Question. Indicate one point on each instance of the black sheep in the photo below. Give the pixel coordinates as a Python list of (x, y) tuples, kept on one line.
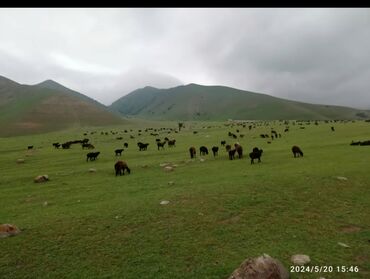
[(297, 152), (215, 150), (203, 150), (256, 154)]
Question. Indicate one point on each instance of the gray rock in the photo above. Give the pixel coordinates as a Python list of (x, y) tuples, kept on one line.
[(300, 259), (164, 202), (20, 161), (92, 170), (263, 267), (171, 183)]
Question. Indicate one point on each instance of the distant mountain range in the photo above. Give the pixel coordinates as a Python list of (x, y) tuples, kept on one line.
[(47, 106), (198, 102)]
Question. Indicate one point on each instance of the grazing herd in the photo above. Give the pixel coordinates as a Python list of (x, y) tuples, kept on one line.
[(233, 151)]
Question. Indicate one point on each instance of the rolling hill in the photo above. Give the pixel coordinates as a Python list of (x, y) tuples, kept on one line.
[(47, 106), (198, 102)]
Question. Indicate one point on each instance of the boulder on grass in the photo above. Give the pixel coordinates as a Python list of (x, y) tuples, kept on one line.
[(263, 267), (20, 161), (41, 178), (8, 230)]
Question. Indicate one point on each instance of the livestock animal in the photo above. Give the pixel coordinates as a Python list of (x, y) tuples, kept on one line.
[(367, 142), (171, 143), (239, 149), (161, 144), (193, 152), (120, 167), (125, 145), (30, 147), (66, 145), (228, 148), (297, 152), (118, 152), (142, 146), (203, 150), (232, 154), (88, 146), (256, 154), (215, 150), (92, 156), (56, 144), (223, 143), (332, 128)]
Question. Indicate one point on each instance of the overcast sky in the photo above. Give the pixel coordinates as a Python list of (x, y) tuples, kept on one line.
[(311, 55)]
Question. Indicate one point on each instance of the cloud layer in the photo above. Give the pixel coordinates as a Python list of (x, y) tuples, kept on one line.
[(311, 55)]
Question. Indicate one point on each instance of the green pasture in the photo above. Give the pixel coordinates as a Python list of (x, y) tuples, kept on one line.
[(220, 212)]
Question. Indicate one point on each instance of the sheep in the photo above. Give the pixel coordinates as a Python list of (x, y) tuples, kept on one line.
[(193, 152), (161, 144), (232, 153), (223, 142), (120, 167), (256, 154), (239, 149), (92, 156), (203, 150), (125, 145), (215, 150), (297, 152)]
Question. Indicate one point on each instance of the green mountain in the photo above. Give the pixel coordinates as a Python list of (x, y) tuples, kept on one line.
[(47, 106), (198, 102)]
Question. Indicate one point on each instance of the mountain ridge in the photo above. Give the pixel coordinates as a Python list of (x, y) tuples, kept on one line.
[(217, 102)]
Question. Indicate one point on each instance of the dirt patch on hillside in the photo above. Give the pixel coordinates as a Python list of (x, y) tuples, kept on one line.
[(350, 229)]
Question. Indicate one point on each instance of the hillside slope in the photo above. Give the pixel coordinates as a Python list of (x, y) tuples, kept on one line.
[(48, 106), (198, 102)]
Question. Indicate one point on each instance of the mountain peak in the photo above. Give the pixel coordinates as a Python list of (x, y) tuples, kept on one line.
[(51, 84)]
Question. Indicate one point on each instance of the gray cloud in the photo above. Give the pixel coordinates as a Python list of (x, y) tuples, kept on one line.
[(312, 55)]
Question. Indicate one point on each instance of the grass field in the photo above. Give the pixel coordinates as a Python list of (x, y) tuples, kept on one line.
[(97, 225)]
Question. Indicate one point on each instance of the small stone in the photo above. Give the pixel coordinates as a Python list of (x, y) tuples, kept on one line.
[(164, 202), (41, 178), (168, 169), (202, 159), (92, 170), (343, 244), (45, 203), (171, 183), (116, 217), (20, 161), (300, 259), (78, 200), (342, 178)]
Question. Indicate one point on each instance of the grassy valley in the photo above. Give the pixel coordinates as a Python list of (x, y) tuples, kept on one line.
[(220, 212)]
